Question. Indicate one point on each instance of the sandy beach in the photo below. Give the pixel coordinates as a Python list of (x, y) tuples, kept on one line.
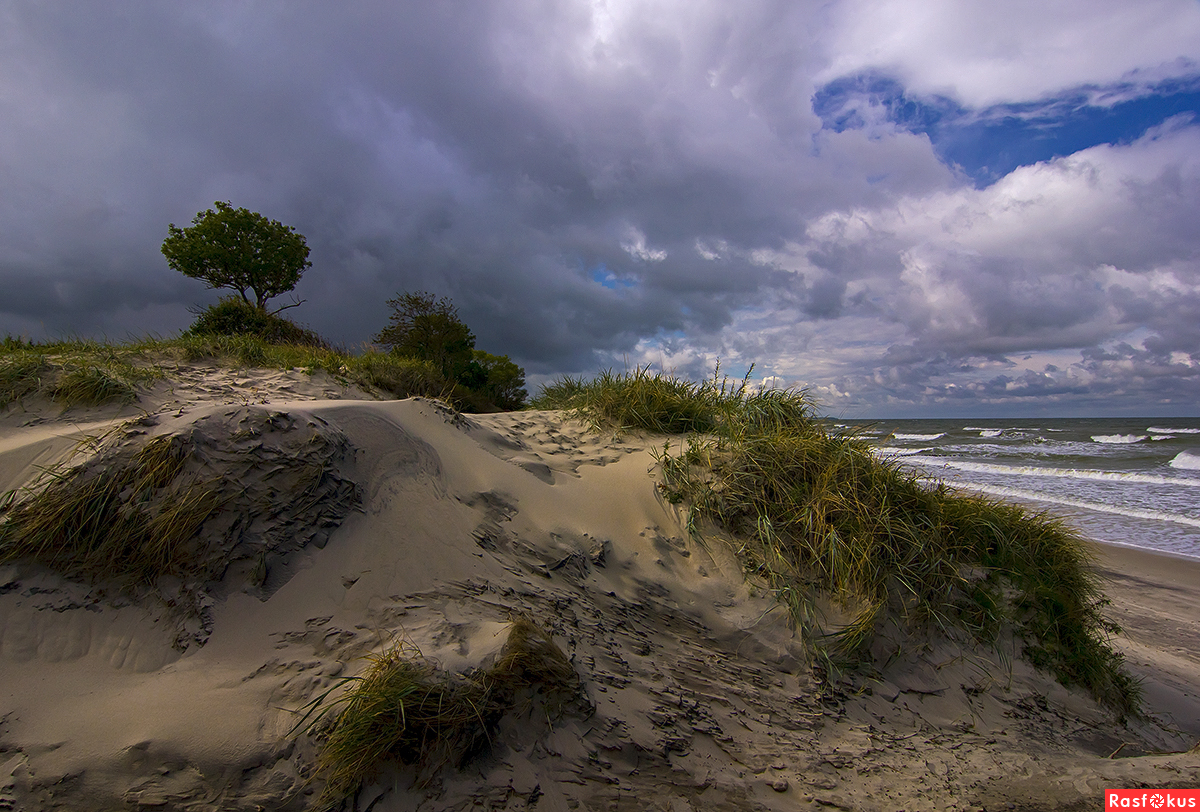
[(419, 527)]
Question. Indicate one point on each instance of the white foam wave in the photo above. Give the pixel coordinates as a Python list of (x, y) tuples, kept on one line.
[(1134, 513), (1118, 439), (1186, 461), (1154, 430), (890, 451), (1078, 473), (899, 436), (1163, 437), (990, 432)]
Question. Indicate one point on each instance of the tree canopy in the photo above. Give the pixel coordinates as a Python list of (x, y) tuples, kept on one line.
[(238, 249), (425, 327)]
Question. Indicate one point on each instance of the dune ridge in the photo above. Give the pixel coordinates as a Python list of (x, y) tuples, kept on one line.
[(696, 692)]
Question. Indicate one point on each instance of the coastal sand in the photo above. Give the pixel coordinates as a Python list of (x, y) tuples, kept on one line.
[(698, 696)]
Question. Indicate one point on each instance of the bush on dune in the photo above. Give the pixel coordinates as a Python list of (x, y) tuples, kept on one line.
[(231, 316), (815, 513)]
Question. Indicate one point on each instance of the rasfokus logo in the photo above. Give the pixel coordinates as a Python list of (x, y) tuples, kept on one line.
[(1152, 799)]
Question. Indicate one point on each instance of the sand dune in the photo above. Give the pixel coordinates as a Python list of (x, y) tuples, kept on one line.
[(697, 695)]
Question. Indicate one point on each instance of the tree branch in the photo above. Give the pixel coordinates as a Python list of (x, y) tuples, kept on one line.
[(296, 303)]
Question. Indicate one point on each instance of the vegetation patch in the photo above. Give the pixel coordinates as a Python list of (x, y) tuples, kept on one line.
[(225, 501), (816, 514), (232, 316), (21, 374), (128, 520), (404, 710)]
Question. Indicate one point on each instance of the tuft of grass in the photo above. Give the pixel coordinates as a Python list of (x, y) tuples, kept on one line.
[(643, 400), (404, 710), (21, 374), (91, 386), (816, 514), (129, 520)]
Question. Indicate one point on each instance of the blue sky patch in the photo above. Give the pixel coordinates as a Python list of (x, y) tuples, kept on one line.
[(987, 144)]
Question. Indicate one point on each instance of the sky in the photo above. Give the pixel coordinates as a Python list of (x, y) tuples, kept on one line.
[(911, 208)]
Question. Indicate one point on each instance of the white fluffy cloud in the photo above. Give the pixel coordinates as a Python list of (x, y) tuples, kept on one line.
[(988, 53)]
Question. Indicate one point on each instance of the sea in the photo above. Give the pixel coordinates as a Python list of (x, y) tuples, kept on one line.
[(1129, 481)]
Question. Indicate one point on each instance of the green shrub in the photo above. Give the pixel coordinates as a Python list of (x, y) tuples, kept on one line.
[(233, 317)]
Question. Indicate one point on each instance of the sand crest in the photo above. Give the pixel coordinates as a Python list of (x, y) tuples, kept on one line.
[(348, 526)]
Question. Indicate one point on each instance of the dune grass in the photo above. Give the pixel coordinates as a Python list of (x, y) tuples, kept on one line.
[(94, 373), (129, 520), (816, 514), (404, 710)]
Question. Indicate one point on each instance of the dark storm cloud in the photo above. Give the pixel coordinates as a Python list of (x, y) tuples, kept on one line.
[(596, 183)]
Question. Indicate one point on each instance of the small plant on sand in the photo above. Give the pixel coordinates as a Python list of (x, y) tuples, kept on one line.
[(815, 513), (404, 710)]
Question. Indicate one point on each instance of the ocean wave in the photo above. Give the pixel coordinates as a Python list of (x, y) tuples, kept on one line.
[(1080, 473), (899, 436), (890, 451), (1154, 430), (1133, 513), (1118, 439), (1186, 461)]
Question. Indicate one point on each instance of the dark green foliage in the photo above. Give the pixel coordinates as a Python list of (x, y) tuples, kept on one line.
[(500, 382), (405, 710), (429, 329), (232, 316), (817, 514), (238, 249)]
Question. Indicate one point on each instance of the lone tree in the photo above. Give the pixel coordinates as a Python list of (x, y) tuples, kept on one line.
[(430, 329), (239, 249)]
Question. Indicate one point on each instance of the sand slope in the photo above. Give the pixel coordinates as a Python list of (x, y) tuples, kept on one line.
[(698, 696)]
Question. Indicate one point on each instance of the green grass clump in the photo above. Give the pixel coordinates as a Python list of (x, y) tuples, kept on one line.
[(92, 386), (21, 374), (641, 400), (128, 520), (815, 513), (404, 710), (92, 373)]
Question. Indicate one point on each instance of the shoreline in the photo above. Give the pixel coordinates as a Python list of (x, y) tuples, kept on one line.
[(1154, 598)]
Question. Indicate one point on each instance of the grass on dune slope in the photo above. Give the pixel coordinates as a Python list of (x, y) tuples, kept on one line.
[(92, 373), (816, 513)]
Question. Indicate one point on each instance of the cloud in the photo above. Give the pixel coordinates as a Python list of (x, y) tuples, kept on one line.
[(597, 183), (986, 54)]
